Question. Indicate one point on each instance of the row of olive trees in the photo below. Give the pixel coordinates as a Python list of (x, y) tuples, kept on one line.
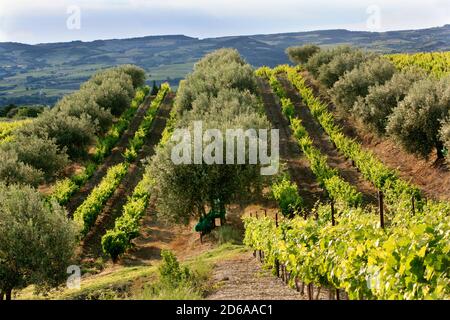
[(408, 105), (42, 149), (220, 92), (37, 240)]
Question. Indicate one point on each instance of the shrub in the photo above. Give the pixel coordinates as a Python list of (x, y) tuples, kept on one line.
[(70, 133), (301, 54), (37, 241), (63, 189), (330, 72), (416, 121), (375, 108), (136, 73), (114, 243), (13, 171), (40, 153), (222, 69), (356, 83), (111, 94), (82, 103), (286, 194), (323, 57), (171, 273)]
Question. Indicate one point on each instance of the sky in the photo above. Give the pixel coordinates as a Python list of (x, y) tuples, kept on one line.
[(40, 21)]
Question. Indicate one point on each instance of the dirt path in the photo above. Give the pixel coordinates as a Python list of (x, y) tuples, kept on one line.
[(323, 143), (290, 153), (91, 245), (113, 159), (243, 278), (432, 178)]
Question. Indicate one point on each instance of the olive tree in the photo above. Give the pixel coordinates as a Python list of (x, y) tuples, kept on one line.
[(301, 54), (37, 240), (375, 108), (113, 94), (70, 133), (415, 123), (186, 190), (222, 69), (13, 171), (323, 57), (82, 103), (356, 83), (136, 73), (330, 72), (40, 153)]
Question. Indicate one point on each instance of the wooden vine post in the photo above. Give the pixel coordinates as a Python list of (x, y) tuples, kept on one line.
[(277, 263), (381, 207), (413, 205), (333, 223)]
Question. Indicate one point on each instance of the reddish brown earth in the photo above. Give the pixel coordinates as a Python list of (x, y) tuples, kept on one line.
[(322, 141), (290, 153), (91, 245), (113, 159)]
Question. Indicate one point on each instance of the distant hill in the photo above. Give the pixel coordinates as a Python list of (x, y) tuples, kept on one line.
[(41, 73)]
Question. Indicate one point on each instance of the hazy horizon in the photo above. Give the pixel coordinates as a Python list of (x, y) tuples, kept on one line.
[(222, 36), (47, 21)]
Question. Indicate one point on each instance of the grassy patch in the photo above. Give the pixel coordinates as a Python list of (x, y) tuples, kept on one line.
[(131, 282)]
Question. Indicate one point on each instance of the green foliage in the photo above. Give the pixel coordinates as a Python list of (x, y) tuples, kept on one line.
[(287, 107), (223, 68), (171, 273), (408, 260), (286, 194), (37, 241), (106, 143), (329, 73), (301, 54), (82, 103), (383, 178), (14, 112), (87, 212), (63, 190), (114, 243), (324, 57), (136, 73), (113, 94), (219, 91), (117, 240), (434, 63), (136, 143), (178, 282), (356, 83), (7, 128), (70, 133), (336, 187), (415, 123), (40, 153), (13, 171), (375, 108)]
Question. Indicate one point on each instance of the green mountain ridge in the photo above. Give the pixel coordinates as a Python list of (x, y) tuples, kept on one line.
[(42, 73)]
